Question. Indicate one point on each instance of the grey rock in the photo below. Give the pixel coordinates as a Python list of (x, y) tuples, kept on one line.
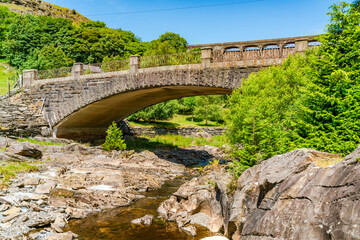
[(201, 219), (30, 152), (145, 220), (61, 236), (190, 230), (32, 181), (39, 219), (9, 218), (45, 188)]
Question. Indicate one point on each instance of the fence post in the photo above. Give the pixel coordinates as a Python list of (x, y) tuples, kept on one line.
[(8, 85), (134, 63), (29, 76), (206, 57), (301, 45), (77, 70)]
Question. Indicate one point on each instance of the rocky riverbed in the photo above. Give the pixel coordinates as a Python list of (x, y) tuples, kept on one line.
[(74, 180), (303, 194)]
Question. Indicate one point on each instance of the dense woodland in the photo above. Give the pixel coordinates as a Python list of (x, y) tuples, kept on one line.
[(310, 101)]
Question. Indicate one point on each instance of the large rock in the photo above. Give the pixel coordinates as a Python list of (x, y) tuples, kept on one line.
[(30, 152), (286, 197)]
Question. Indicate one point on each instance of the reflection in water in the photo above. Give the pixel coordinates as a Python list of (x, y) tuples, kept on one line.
[(115, 223)]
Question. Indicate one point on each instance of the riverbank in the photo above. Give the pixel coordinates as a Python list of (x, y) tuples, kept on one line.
[(303, 194), (74, 180)]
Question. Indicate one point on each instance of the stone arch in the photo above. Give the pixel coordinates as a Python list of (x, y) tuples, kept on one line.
[(80, 108), (271, 51), (289, 48), (251, 52)]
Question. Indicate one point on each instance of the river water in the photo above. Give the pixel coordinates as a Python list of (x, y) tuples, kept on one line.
[(115, 223)]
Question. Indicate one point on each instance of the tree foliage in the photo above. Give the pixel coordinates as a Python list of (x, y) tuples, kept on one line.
[(25, 40), (161, 111), (211, 107), (114, 139), (311, 101), (329, 118), (167, 43), (258, 119)]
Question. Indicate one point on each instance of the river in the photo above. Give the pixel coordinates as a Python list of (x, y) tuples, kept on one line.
[(115, 223)]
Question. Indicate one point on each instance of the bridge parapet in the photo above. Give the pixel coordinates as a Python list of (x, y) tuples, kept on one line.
[(247, 53), (257, 50)]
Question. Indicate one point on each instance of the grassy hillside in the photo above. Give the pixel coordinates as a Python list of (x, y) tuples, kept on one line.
[(36, 7), (6, 72)]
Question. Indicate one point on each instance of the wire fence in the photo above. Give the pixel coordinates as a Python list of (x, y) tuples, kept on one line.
[(171, 59), (191, 57), (112, 66), (54, 73)]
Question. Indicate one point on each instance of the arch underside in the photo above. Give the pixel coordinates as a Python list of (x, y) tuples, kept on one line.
[(92, 120)]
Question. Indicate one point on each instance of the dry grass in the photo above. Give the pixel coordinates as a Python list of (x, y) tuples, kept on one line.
[(325, 160)]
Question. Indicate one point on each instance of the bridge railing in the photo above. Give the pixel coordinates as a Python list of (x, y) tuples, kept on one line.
[(191, 57), (111, 66), (210, 53), (54, 73)]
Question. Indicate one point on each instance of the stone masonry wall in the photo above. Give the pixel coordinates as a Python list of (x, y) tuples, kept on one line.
[(183, 131), (19, 116)]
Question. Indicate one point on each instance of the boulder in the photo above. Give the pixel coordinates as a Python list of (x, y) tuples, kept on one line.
[(30, 153), (286, 197), (190, 230), (145, 220), (61, 236)]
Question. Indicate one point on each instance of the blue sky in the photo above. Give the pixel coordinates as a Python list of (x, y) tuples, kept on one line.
[(244, 20)]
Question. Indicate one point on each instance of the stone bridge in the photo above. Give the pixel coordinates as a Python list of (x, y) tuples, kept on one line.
[(85, 102)]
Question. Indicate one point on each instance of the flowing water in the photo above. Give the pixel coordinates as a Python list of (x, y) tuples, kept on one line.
[(115, 223)]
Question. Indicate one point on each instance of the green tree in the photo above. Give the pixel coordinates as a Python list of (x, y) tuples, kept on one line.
[(114, 139), (160, 111), (329, 118), (260, 110), (190, 104), (167, 43), (210, 107), (49, 57)]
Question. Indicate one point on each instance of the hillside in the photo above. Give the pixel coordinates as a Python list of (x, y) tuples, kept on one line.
[(38, 7)]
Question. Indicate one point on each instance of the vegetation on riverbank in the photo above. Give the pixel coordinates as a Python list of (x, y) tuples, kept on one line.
[(9, 170), (310, 101), (6, 72), (173, 141), (43, 143), (178, 120)]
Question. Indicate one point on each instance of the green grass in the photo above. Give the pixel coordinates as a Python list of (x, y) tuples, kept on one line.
[(38, 142), (173, 141), (178, 121), (14, 6), (9, 170), (4, 75)]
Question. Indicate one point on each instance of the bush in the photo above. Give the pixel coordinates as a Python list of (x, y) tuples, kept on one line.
[(114, 139)]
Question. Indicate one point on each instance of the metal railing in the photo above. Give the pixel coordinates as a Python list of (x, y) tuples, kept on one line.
[(112, 66), (54, 73), (171, 59)]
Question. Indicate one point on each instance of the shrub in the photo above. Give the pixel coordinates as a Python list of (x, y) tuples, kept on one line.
[(114, 139)]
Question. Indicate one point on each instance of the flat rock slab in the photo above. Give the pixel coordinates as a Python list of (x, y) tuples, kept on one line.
[(45, 188), (11, 211), (215, 238)]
